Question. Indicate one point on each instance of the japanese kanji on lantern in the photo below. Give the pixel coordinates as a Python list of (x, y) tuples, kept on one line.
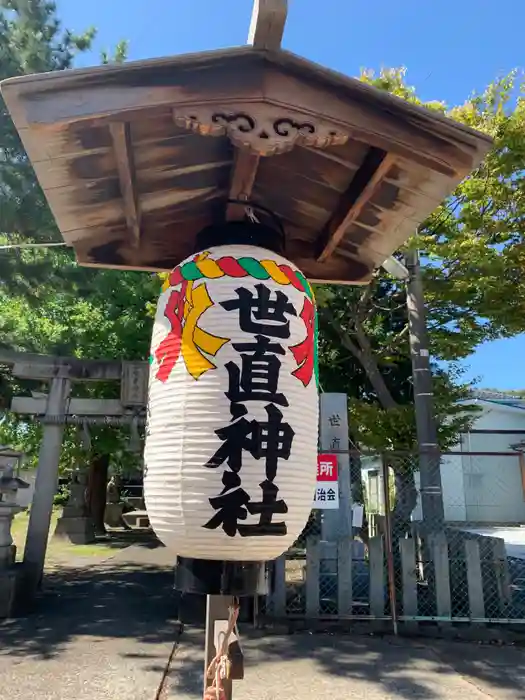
[(231, 445)]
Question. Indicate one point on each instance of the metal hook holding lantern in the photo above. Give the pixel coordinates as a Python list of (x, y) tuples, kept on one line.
[(251, 207)]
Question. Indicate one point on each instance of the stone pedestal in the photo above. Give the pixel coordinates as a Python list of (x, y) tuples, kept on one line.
[(113, 514), (77, 529), (7, 548), (75, 524), (114, 506)]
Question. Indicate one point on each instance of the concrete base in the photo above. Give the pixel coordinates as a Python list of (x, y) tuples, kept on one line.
[(136, 519), (7, 593), (77, 530)]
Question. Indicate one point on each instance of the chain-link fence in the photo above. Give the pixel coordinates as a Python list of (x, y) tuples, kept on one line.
[(440, 540)]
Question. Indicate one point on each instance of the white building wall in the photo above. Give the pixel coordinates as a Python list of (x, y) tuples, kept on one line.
[(493, 483), (482, 488), (452, 484)]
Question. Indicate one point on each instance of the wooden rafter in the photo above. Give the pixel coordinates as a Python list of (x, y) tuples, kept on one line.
[(244, 171), (362, 188), (120, 135), (267, 24)]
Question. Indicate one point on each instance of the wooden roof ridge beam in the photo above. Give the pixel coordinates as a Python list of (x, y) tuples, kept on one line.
[(364, 185), (121, 138), (244, 171), (267, 24)]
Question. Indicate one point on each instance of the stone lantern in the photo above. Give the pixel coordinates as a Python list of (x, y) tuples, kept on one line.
[(9, 485), (75, 523)]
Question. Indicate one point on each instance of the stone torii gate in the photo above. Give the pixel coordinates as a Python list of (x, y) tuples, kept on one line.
[(127, 154), (55, 410)]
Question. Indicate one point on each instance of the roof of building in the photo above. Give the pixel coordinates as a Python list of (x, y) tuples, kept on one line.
[(136, 159), (500, 398)]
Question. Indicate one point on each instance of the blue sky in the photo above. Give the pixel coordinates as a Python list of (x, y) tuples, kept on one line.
[(450, 49)]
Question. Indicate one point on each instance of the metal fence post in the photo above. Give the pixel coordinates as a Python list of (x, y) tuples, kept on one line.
[(389, 544)]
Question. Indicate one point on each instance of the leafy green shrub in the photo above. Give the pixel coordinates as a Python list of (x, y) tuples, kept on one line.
[(61, 496)]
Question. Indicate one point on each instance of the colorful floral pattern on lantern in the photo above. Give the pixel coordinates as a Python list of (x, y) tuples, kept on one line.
[(187, 305)]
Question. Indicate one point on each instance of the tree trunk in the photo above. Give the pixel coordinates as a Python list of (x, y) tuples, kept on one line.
[(369, 363), (364, 354), (406, 492), (97, 486)]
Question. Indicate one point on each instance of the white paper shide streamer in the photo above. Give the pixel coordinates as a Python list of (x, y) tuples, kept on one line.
[(231, 445)]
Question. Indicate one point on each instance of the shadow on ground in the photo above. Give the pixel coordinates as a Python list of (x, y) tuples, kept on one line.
[(119, 539), (131, 597), (122, 597), (344, 665)]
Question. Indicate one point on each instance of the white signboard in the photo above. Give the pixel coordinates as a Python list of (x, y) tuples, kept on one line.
[(327, 486)]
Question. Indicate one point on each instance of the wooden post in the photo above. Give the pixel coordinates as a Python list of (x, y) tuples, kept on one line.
[(267, 24), (217, 608), (409, 580), (45, 485), (376, 584), (313, 552), (474, 580), (501, 568), (278, 598), (344, 577), (389, 544), (439, 549)]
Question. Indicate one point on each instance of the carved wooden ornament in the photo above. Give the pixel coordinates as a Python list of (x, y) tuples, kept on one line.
[(264, 129)]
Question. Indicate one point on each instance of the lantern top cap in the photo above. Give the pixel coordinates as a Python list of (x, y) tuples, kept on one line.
[(125, 157)]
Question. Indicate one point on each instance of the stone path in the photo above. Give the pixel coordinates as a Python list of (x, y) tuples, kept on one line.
[(110, 632), (103, 632)]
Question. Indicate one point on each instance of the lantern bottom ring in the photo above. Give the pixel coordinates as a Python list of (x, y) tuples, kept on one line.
[(211, 577)]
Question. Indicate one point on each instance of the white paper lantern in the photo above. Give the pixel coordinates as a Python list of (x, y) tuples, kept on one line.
[(231, 445)]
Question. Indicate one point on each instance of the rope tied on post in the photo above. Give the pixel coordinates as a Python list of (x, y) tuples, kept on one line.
[(219, 665)]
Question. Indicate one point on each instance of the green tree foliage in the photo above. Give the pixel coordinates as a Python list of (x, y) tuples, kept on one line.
[(472, 248), (49, 304), (473, 253), (474, 242)]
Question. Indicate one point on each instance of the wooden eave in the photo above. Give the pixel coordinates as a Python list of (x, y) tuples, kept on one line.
[(135, 159)]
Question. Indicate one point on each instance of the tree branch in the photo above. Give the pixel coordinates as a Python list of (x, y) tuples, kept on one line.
[(395, 341), (364, 301), (344, 336)]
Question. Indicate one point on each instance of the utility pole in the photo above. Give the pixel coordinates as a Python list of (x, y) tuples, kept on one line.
[(428, 448)]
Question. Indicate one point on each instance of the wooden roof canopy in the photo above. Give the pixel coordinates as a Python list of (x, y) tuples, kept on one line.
[(136, 159)]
